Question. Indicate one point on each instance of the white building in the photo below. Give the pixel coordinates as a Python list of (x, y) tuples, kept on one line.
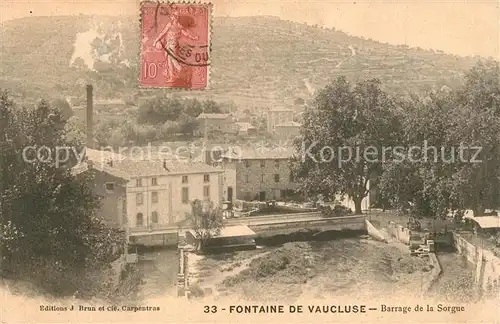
[(141, 194)]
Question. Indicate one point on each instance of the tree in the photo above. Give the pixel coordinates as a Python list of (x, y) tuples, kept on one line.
[(211, 107), (75, 131), (341, 126), (420, 180), (64, 108), (205, 220), (159, 110), (49, 233), (459, 124)]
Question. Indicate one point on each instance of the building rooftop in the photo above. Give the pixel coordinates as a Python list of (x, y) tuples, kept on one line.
[(85, 166), (102, 156), (486, 221), (232, 231), (213, 116), (260, 153), (145, 168)]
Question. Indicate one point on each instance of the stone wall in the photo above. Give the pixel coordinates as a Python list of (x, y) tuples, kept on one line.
[(165, 239), (399, 232), (433, 274), (254, 176), (487, 274)]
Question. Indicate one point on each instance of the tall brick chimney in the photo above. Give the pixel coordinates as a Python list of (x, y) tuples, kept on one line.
[(89, 120)]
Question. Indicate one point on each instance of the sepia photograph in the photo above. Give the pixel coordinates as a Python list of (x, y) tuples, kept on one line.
[(285, 161)]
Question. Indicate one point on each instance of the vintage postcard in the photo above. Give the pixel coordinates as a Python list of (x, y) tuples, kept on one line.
[(249, 161)]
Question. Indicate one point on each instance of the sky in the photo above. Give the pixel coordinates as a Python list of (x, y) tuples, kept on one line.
[(457, 27)]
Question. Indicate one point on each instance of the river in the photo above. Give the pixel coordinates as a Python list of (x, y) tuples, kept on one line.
[(341, 266), (456, 283)]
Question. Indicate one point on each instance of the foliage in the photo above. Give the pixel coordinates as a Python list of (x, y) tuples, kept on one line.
[(343, 121), (75, 132), (64, 108), (164, 108), (205, 220), (450, 179), (49, 232)]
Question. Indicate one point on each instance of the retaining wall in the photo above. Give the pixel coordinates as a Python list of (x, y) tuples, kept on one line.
[(487, 273), (433, 274), (401, 233), (162, 239)]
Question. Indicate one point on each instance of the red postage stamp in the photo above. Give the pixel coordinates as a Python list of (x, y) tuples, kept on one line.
[(175, 47)]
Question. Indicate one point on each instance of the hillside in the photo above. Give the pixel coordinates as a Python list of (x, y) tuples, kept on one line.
[(256, 61)]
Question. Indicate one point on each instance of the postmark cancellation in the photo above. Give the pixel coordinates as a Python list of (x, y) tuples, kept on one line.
[(175, 45)]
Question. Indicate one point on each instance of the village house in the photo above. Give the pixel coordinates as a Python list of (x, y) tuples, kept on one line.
[(216, 124), (246, 129), (278, 116), (287, 130), (261, 174), (143, 194)]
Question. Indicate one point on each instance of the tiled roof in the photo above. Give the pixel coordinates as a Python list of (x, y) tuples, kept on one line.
[(85, 166), (138, 168), (258, 153), (102, 156), (212, 116), (144, 168)]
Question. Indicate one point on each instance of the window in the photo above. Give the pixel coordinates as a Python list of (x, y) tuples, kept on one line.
[(247, 163), (154, 217), (277, 164), (206, 191), (206, 178), (291, 177), (139, 198), (276, 178), (110, 186), (262, 177), (154, 197), (246, 178), (154, 181), (262, 163), (138, 182), (184, 179), (139, 219), (185, 195)]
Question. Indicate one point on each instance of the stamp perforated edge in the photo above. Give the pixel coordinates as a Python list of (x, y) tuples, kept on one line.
[(210, 23)]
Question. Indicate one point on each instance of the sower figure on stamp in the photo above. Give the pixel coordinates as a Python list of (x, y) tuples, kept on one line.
[(172, 33)]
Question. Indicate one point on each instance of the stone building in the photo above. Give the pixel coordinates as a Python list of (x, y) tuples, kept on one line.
[(261, 174)]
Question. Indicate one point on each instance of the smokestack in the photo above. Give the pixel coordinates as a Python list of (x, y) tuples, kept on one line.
[(90, 113)]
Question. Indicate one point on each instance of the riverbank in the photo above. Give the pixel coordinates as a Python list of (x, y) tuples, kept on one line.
[(381, 233), (301, 270)]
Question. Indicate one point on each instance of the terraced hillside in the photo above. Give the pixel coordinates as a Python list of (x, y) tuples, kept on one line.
[(257, 62)]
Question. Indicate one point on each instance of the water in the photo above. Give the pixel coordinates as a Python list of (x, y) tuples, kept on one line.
[(159, 274), (456, 283), (341, 266)]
